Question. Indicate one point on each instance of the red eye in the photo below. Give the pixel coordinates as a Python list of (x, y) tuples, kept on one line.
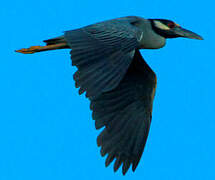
[(171, 24)]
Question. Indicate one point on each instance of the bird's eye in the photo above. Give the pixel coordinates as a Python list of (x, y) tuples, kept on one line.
[(171, 24)]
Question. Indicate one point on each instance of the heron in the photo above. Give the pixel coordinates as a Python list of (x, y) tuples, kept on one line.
[(116, 79)]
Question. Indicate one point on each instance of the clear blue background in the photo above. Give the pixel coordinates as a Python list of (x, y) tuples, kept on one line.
[(46, 129)]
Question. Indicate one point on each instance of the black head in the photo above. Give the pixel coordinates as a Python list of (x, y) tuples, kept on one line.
[(170, 29)]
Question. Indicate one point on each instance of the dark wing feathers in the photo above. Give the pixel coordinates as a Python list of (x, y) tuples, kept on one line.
[(102, 53), (119, 84), (126, 114)]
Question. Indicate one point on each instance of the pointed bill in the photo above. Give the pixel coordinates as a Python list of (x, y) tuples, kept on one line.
[(186, 33)]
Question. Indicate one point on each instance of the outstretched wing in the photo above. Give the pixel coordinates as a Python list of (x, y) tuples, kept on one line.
[(126, 113), (102, 53)]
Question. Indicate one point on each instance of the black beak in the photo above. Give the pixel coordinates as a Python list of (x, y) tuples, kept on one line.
[(181, 32)]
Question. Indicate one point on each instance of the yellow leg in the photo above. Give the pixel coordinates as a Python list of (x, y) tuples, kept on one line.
[(34, 49), (30, 50)]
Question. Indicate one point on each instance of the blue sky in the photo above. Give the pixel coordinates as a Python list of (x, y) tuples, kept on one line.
[(46, 130)]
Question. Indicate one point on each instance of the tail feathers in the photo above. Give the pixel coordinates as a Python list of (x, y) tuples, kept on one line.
[(56, 40)]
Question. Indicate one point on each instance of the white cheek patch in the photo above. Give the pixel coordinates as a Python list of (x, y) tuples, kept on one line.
[(160, 25)]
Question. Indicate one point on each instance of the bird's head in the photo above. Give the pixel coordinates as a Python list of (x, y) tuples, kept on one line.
[(170, 29)]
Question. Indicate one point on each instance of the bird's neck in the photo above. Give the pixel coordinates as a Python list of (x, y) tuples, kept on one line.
[(150, 39)]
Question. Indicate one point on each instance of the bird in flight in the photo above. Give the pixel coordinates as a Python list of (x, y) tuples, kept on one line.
[(116, 79)]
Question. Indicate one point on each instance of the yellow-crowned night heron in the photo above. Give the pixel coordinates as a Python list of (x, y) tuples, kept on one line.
[(116, 79)]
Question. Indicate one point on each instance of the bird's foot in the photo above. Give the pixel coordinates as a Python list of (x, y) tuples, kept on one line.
[(34, 49), (30, 50)]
